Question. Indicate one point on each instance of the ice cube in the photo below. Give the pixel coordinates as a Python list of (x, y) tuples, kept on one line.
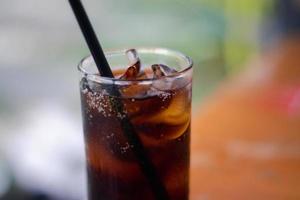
[(134, 70), (132, 55), (134, 89), (134, 59), (131, 73), (160, 70), (164, 79), (157, 71)]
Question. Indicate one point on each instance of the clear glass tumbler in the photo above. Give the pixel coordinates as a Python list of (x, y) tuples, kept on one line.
[(137, 131)]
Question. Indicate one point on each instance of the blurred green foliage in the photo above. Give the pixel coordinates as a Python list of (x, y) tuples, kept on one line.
[(244, 19)]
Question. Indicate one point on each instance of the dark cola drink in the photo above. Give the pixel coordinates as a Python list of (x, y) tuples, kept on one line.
[(156, 100)]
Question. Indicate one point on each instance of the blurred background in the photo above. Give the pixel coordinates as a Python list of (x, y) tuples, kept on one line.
[(246, 132)]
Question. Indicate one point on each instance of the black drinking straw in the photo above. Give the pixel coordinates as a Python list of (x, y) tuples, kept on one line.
[(144, 162)]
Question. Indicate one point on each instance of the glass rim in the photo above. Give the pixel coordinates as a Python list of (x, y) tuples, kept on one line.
[(150, 50)]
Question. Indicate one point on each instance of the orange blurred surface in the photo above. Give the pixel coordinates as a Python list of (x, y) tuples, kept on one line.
[(246, 136)]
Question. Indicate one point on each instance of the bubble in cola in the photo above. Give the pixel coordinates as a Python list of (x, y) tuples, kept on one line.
[(160, 114)]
